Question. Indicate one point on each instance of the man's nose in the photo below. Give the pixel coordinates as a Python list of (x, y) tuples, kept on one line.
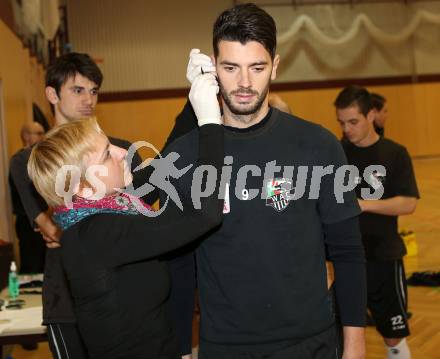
[(244, 80), (88, 98)]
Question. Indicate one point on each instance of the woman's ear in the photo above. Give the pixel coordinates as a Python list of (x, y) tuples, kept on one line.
[(84, 190)]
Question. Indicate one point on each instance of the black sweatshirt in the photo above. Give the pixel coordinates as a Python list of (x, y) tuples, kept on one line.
[(118, 284), (262, 275)]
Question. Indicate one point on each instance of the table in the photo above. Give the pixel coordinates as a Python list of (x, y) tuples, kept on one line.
[(22, 326)]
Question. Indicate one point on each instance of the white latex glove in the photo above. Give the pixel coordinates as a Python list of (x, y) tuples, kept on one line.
[(203, 98), (198, 64)]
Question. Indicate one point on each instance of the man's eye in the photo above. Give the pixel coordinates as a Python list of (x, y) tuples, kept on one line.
[(94, 92), (77, 90), (229, 68), (258, 69)]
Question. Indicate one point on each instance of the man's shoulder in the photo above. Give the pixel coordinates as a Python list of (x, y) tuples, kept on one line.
[(392, 144), (393, 148), (23, 153), (302, 127), (20, 158)]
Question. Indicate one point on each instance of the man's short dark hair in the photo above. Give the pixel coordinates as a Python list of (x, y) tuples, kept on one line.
[(378, 101), (68, 65), (244, 23), (354, 96)]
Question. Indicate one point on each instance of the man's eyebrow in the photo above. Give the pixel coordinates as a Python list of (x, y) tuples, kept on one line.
[(257, 63), (104, 153), (77, 87), (228, 63)]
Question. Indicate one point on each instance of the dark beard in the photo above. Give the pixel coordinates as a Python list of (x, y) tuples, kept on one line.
[(244, 112)]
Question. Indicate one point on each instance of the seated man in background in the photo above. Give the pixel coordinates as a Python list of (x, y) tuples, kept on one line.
[(384, 249), (31, 244), (32, 248)]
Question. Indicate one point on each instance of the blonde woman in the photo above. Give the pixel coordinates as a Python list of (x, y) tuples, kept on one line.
[(110, 251)]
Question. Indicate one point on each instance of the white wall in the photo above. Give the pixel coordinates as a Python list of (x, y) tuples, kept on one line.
[(144, 44), (363, 57)]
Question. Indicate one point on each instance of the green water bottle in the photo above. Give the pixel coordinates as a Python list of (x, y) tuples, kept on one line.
[(13, 285)]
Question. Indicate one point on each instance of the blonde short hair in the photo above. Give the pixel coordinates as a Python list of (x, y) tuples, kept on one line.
[(67, 144)]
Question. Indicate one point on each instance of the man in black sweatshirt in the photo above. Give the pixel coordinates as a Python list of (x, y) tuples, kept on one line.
[(262, 274)]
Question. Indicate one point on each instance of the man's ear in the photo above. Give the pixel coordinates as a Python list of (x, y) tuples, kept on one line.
[(213, 59), (371, 115), (51, 95), (276, 61)]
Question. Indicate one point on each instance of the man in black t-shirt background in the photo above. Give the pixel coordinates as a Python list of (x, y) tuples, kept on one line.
[(384, 248)]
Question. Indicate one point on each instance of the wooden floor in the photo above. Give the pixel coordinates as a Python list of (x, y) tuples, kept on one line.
[(423, 302)]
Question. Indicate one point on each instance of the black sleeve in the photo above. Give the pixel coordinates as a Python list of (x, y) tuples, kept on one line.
[(142, 176), (182, 268), (135, 238), (186, 121), (32, 202), (182, 297), (405, 181), (331, 209), (181, 263), (345, 250), (137, 160)]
